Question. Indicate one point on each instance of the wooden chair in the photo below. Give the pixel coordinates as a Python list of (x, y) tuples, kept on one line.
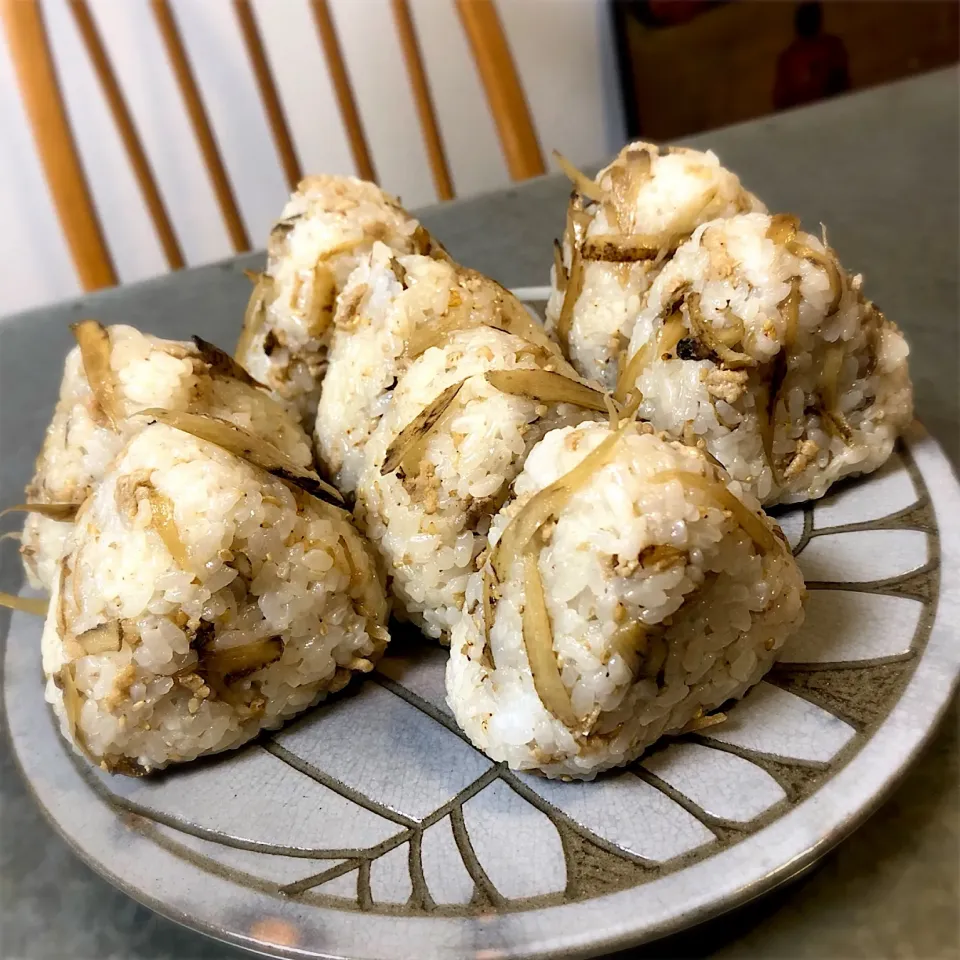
[(33, 63)]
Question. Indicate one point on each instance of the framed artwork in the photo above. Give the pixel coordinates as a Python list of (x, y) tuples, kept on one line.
[(692, 65)]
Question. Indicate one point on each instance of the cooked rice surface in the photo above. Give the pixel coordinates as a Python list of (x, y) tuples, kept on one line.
[(755, 340), (391, 311), (199, 601), (660, 605), (430, 526), (613, 248), (386, 298), (327, 227), (81, 441)]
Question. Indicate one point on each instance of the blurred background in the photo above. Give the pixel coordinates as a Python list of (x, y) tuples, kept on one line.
[(593, 72), (693, 65)]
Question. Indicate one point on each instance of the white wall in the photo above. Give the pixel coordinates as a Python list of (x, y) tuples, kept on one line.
[(563, 49)]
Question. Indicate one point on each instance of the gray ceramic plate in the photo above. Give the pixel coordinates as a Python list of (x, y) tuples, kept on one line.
[(371, 829)]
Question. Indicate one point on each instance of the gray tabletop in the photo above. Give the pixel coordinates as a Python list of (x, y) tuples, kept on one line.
[(880, 168)]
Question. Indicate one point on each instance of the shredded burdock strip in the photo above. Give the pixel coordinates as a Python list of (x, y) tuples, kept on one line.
[(368, 602), (627, 177), (323, 297), (581, 182), (435, 334), (670, 334), (783, 227), (425, 244), (409, 444), (705, 333), (614, 248), (789, 308), (94, 341), (35, 605), (570, 296), (489, 614), (513, 317), (256, 311), (828, 263), (538, 643), (630, 640), (66, 680), (574, 234), (560, 271), (280, 230), (548, 503), (629, 246), (163, 522), (61, 610), (783, 230), (767, 400), (399, 271), (829, 391), (437, 331), (546, 387), (767, 406), (751, 524), (72, 702), (248, 446), (577, 223), (64, 512), (701, 720), (233, 663), (686, 220), (614, 416), (731, 335), (125, 766), (221, 364), (104, 638)]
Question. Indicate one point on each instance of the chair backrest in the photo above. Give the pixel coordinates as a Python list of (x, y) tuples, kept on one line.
[(33, 62)]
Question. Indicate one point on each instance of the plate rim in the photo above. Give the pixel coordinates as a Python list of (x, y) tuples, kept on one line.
[(848, 812)]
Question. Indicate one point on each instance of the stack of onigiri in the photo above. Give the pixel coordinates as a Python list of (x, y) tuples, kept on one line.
[(576, 511), (202, 586), (720, 324), (326, 229)]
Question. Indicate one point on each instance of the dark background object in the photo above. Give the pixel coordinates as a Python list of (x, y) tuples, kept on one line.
[(693, 65)]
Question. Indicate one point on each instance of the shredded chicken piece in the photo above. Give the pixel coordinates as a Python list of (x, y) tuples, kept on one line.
[(728, 385), (424, 486), (122, 683), (129, 490), (806, 451), (722, 265), (195, 684)]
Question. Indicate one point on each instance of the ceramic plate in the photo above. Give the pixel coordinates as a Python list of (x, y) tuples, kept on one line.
[(371, 828)]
